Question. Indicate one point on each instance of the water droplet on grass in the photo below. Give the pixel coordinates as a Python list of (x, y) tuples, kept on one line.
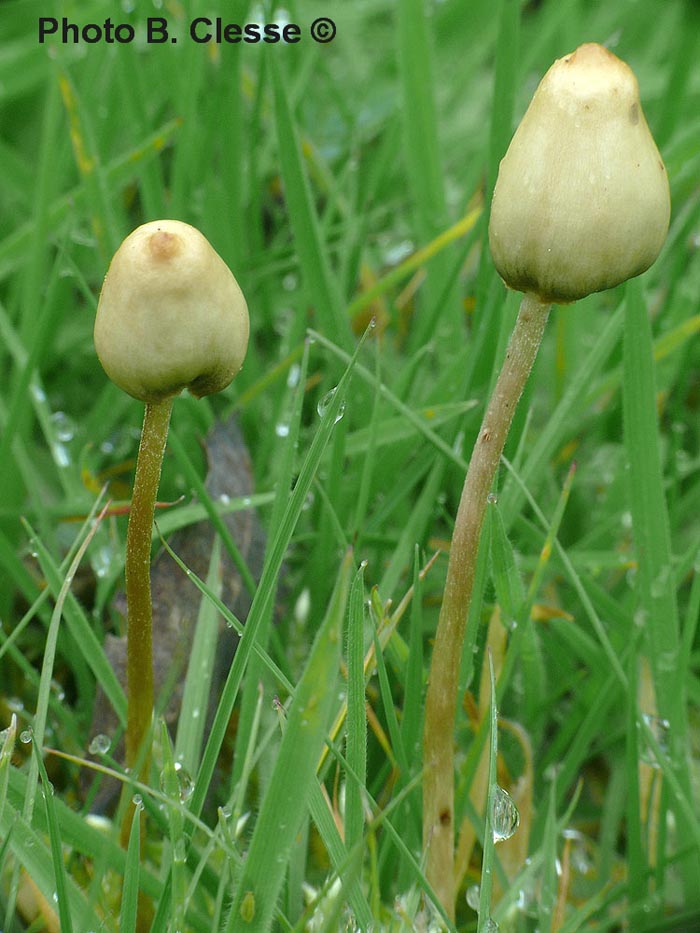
[(492, 498), (180, 851), (505, 817), (25, 736), (100, 744), (64, 427), (325, 403), (282, 429), (102, 561), (473, 895), (661, 730)]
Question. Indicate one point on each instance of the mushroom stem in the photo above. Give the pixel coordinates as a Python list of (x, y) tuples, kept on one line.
[(139, 660), (441, 700)]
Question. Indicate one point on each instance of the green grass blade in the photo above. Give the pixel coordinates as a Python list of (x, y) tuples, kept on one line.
[(195, 697), (489, 846), (287, 795), (356, 751), (176, 852), (130, 891), (64, 912), (548, 892)]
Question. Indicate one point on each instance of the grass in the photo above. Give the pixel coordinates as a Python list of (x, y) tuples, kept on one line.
[(341, 183)]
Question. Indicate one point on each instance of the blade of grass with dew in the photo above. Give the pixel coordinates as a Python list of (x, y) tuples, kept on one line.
[(273, 562), (130, 891), (489, 854), (313, 256), (61, 892), (287, 794), (195, 696), (657, 595), (176, 852), (356, 735), (637, 876)]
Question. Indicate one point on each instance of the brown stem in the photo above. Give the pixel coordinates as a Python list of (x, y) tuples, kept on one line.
[(139, 646), (441, 700)]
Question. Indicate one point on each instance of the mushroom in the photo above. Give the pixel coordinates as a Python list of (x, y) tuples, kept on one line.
[(170, 316), (581, 204)]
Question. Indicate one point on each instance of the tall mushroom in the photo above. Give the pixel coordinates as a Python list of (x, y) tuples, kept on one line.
[(581, 204), (171, 316)]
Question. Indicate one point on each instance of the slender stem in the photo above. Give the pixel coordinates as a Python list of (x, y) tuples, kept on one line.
[(441, 700), (139, 649)]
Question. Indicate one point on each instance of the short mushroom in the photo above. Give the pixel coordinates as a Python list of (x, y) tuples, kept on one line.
[(581, 204), (171, 316)]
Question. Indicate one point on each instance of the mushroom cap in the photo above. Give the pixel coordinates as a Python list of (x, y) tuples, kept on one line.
[(170, 315), (582, 201)]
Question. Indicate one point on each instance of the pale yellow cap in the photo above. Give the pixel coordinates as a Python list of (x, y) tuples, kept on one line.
[(582, 200), (171, 315)]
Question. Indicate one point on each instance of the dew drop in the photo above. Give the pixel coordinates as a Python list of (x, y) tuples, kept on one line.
[(661, 730), (282, 429), (25, 736), (60, 455), (492, 498), (293, 376), (100, 744), (491, 926), (325, 402), (504, 816), (63, 426), (102, 561), (581, 858), (473, 895), (185, 782), (224, 499), (180, 851)]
